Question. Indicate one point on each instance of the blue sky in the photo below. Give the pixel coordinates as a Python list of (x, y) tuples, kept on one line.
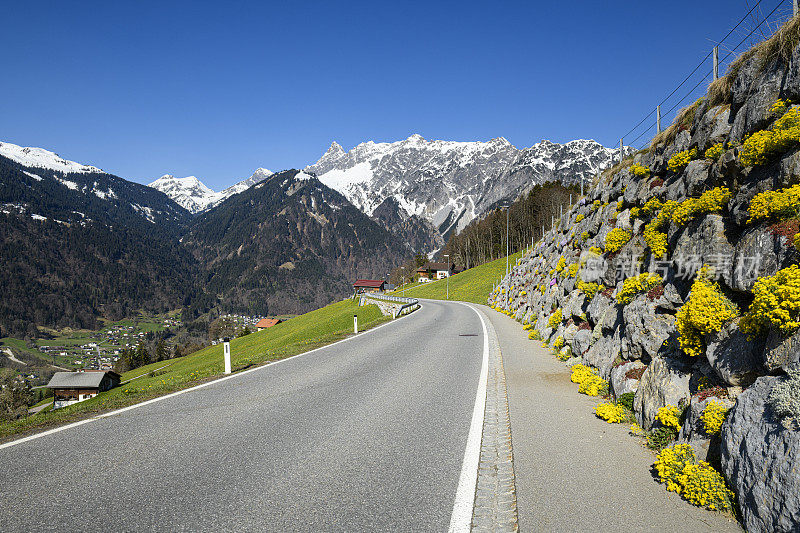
[(217, 89)]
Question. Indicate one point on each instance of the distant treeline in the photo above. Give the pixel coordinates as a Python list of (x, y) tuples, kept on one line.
[(484, 240)]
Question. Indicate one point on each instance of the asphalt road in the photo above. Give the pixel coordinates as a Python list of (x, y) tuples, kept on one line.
[(365, 435)]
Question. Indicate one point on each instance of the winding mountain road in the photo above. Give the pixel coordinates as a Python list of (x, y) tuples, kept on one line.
[(363, 435)]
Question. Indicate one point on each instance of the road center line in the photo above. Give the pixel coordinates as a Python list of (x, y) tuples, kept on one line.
[(461, 517)]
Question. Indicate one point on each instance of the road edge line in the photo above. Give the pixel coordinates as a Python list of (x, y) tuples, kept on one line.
[(184, 391), (461, 516)]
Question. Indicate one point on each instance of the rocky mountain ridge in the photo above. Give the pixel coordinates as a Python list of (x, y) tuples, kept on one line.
[(193, 195), (619, 285), (451, 183)]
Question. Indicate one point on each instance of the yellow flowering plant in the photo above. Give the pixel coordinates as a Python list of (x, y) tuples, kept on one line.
[(776, 304), (705, 312), (588, 288), (654, 236), (561, 264), (780, 205), (697, 482), (637, 285), (579, 218), (611, 413), (761, 146), (678, 161), (616, 239), (555, 319), (709, 201), (669, 416), (640, 171), (714, 152), (713, 416)]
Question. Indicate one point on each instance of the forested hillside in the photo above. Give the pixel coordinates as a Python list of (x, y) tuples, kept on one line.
[(287, 245), (76, 246)]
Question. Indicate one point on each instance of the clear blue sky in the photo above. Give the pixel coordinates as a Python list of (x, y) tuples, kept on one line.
[(218, 89)]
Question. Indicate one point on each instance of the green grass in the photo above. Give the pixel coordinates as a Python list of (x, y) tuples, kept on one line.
[(300, 334), (473, 285)]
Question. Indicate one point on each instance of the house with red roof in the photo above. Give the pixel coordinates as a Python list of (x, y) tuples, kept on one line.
[(369, 285), (265, 323)]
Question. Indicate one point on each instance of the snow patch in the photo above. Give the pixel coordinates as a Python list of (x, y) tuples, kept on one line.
[(32, 175)]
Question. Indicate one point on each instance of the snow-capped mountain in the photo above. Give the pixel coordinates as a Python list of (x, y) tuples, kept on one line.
[(450, 183), (195, 196), (28, 156), (50, 187)]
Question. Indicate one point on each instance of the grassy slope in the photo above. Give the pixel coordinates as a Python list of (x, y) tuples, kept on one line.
[(473, 285), (297, 335)]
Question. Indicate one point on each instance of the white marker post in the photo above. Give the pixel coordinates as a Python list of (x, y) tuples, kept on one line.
[(355, 323), (226, 350)]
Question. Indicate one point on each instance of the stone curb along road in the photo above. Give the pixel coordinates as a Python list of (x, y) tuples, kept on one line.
[(495, 507)]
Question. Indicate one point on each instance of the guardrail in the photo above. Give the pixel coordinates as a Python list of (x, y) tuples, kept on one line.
[(408, 304)]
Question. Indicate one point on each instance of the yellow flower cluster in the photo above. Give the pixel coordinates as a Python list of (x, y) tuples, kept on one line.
[(713, 416), (523, 293), (593, 386), (668, 415), (580, 373), (762, 145), (670, 464), (555, 319), (655, 238), (585, 235), (542, 288), (616, 239), (579, 218), (651, 207), (620, 205), (561, 264), (588, 382), (775, 204), (572, 270), (640, 171), (678, 161), (709, 201), (636, 212), (714, 152), (697, 482), (595, 205), (779, 107), (705, 312), (589, 289), (596, 250), (558, 343), (611, 413), (705, 487), (533, 335), (637, 285), (776, 303)]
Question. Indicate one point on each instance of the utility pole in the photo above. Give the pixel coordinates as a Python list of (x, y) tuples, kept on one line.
[(795, 7), (716, 59), (404, 280), (621, 151), (658, 118), (508, 210), (447, 258)]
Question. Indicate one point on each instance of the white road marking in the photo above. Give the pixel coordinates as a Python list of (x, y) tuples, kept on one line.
[(184, 391), (461, 517)]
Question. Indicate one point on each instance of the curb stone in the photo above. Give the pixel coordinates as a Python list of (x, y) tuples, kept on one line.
[(495, 506)]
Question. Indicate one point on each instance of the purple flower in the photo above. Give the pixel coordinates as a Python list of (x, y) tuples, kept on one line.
[(552, 282)]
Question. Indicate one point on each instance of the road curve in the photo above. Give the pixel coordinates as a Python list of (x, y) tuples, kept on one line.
[(364, 435)]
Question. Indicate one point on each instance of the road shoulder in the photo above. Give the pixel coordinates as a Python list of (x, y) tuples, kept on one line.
[(575, 472)]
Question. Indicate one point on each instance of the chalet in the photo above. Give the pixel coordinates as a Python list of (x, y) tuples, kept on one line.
[(369, 285), (265, 323), (74, 387), (431, 271)]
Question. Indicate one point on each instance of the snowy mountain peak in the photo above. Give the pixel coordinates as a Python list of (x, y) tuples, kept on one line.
[(195, 196), (449, 182), (41, 158)]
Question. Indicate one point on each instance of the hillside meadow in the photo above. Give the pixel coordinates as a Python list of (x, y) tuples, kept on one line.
[(297, 335)]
